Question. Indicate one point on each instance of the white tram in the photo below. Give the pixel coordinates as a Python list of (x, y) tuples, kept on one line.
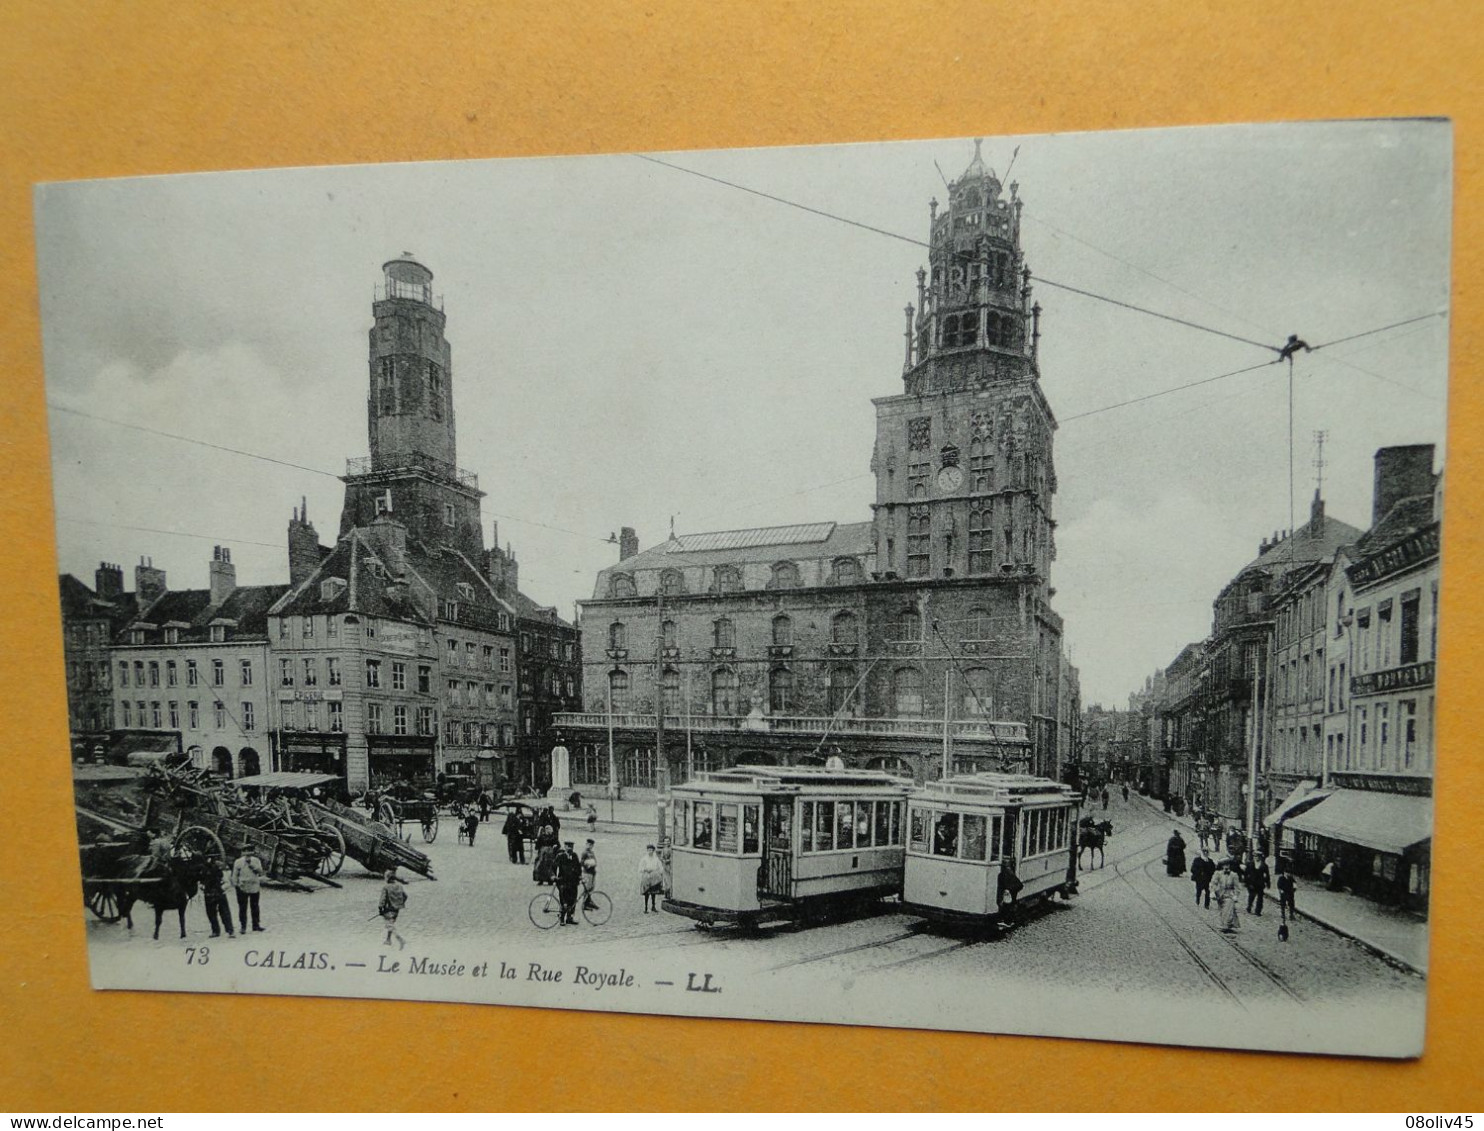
[(965, 832), (755, 844)]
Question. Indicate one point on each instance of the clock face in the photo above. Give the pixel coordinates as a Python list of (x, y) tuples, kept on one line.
[(951, 478)]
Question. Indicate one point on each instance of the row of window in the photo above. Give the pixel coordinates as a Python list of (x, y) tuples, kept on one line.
[(977, 700), (158, 716), (986, 839), (728, 579), (906, 626), (149, 673), (216, 634), (475, 655), (458, 732)]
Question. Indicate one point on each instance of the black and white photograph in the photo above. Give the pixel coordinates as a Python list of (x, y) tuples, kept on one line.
[(984, 584)]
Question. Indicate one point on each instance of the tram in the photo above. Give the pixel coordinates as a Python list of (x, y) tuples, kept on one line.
[(757, 844), (969, 831)]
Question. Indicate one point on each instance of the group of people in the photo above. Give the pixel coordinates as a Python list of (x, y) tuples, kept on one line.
[(1225, 879), (245, 875)]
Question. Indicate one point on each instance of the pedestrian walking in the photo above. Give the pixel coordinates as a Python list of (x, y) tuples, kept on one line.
[(218, 910), (471, 825), (651, 879), (568, 876), (484, 805), (1175, 854), (1257, 879), (1203, 871), (1007, 892), (1104, 796), (589, 875), (393, 899), (1125, 793), (514, 832), (1285, 892), (1225, 886), (247, 878), (592, 817)]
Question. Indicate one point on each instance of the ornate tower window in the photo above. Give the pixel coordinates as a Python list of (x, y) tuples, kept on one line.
[(979, 692), (780, 690), (670, 691), (783, 631), (978, 624), (618, 636), (844, 628), (919, 541), (672, 583), (907, 628), (981, 467), (847, 571), (723, 633), (920, 433), (842, 681), (621, 585), (618, 692), (435, 390), (981, 542), (724, 692)]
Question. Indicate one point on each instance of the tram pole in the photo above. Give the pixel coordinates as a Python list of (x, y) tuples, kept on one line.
[(947, 698)]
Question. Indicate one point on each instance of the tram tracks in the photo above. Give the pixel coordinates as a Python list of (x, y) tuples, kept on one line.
[(825, 956), (1257, 963), (1184, 944)]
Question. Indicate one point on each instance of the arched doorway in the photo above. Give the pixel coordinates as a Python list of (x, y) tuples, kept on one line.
[(221, 761), (250, 762)]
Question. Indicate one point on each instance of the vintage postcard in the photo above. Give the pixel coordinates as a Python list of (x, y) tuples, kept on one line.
[(983, 584)]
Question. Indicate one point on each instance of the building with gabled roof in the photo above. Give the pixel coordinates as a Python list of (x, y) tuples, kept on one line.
[(191, 666)]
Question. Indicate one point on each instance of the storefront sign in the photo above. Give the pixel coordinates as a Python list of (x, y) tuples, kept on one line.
[(1394, 679)]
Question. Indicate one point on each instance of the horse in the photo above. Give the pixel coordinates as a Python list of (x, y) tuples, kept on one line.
[(1091, 840), (167, 885)]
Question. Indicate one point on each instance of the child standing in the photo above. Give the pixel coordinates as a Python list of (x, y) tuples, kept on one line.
[(393, 899)]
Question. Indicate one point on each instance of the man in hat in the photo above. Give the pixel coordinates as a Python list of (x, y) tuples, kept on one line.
[(247, 878), (568, 876)]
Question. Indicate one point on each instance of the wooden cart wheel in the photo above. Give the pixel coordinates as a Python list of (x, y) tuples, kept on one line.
[(430, 829), (334, 858), (200, 841), (104, 904)]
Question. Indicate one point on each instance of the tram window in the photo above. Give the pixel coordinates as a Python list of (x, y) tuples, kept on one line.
[(973, 840), (780, 831), (845, 826), (863, 824), (701, 827), (994, 837), (896, 821), (945, 835), (1061, 828), (1045, 832), (749, 828), (883, 822), (726, 828), (919, 830), (806, 828), (682, 823), (1007, 842), (824, 830)]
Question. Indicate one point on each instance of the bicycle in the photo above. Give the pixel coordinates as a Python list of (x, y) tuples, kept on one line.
[(546, 908)]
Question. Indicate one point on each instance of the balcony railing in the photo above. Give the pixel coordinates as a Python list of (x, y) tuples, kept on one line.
[(411, 461), (980, 730)]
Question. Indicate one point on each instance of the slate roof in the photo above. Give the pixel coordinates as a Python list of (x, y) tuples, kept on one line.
[(1406, 517), (192, 611), (1305, 547), (832, 540), (79, 602)]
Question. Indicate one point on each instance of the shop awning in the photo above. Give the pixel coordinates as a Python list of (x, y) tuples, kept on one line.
[(286, 779), (1387, 822), (1305, 796)]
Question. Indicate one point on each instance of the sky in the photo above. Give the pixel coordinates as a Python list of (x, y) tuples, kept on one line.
[(635, 346)]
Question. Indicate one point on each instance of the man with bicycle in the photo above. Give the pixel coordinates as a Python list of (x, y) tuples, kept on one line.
[(568, 877)]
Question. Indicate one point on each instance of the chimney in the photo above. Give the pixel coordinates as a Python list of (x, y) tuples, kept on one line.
[(390, 539), (109, 580), (223, 575), (502, 569), (304, 551), (628, 544), (1401, 473), (149, 583), (1316, 515)]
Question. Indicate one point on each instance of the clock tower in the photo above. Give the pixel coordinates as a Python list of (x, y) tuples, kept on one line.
[(963, 466), (412, 474)]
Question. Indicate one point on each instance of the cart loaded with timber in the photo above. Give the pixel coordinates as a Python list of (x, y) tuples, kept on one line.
[(297, 836)]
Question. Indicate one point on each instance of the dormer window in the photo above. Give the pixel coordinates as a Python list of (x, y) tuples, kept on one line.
[(728, 580), (172, 636), (384, 502), (672, 583), (466, 591), (218, 633), (621, 585), (136, 636)]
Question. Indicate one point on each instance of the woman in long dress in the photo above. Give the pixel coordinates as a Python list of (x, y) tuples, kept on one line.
[(1225, 890), (651, 879), (1175, 854)]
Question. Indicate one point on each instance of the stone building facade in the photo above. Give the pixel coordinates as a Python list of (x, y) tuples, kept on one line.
[(192, 665), (867, 641)]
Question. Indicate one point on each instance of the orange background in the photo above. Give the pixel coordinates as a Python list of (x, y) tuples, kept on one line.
[(114, 89)]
